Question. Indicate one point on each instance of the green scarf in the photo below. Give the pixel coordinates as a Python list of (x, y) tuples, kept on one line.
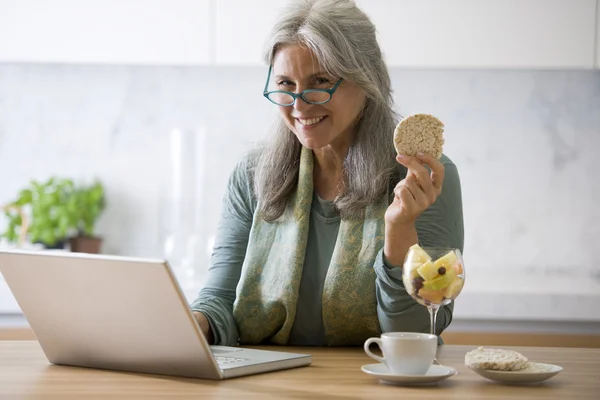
[(267, 293)]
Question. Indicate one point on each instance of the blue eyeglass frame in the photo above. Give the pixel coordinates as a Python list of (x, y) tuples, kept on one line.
[(301, 94)]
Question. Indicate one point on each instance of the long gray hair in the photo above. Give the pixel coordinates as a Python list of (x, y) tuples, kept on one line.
[(343, 41)]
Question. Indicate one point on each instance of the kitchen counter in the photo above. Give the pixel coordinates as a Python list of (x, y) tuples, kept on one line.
[(334, 373)]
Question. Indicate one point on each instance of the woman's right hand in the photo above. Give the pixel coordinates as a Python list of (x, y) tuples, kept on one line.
[(204, 326)]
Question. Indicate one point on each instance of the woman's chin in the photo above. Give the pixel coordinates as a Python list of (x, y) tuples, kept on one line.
[(313, 142)]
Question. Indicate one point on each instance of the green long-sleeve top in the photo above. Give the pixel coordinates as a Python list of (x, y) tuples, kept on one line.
[(441, 225)]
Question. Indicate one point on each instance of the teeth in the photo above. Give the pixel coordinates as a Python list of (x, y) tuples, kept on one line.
[(311, 121)]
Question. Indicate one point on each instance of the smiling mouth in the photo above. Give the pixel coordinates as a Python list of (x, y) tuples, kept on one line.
[(310, 121)]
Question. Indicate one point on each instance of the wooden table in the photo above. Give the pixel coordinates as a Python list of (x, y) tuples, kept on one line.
[(335, 374)]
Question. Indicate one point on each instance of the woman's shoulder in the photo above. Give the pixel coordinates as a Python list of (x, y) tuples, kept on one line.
[(245, 167), (241, 179), (444, 159), (450, 172)]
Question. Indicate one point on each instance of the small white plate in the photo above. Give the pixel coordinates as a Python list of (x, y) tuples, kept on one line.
[(520, 376), (435, 374)]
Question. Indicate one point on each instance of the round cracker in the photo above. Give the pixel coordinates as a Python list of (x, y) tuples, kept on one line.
[(495, 359), (419, 133)]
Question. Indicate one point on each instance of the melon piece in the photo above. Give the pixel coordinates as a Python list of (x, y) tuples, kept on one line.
[(441, 281), (414, 273), (434, 296), (407, 280), (416, 255), (458, 268), (447, 260), (428, 271), (453, 289), (409, 276)]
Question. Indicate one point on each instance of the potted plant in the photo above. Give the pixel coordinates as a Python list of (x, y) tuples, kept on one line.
[(90, 203), (56, 212), (53, 213)]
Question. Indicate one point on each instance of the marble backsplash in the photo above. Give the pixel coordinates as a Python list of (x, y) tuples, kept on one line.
[(525, 143)]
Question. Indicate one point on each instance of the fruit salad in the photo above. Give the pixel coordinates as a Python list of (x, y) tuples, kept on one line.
[(433, 281)]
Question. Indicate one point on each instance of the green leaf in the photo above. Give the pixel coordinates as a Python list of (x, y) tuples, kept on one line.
[(89, 229), (25, 197), (41, 222), (35, 236), (64, 223), (11, 236), (48, 237)]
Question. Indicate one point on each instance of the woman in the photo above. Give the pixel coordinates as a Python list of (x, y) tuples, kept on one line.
[(316, 223)]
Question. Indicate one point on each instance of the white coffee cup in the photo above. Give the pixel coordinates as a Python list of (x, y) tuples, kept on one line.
[(405, 353)]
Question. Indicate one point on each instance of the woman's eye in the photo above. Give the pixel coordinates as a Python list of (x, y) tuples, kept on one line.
[(322, 81), (285, 83)]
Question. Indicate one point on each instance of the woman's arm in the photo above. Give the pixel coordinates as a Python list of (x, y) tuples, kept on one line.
[(213, 308), (440, 225)]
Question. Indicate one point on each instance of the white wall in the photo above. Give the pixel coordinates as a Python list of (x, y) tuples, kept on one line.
[(525, 143)]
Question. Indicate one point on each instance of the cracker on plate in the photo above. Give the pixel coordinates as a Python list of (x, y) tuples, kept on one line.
[(495, 359)]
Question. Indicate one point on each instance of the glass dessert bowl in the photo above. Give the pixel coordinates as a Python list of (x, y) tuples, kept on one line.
[(433, 276)]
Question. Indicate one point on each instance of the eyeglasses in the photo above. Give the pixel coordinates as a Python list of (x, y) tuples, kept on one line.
[(311, 96)]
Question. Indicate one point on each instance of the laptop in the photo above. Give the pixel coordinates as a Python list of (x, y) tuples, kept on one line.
[(122, 313)]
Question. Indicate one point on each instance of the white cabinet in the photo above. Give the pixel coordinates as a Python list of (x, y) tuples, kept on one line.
[(159, 32), (241, 30), (485, 33), (412, 33)]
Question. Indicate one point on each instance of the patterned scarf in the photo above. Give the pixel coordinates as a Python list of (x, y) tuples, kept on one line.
[(267, 293)]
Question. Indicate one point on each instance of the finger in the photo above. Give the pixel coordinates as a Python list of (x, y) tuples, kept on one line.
[(405, 161), (407, 199), (437, 170), (421, 198), (416, 168), (400, 188), (399, 185), (403, 192)]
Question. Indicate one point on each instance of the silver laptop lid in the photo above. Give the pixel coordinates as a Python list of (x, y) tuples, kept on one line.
[(108, 312)]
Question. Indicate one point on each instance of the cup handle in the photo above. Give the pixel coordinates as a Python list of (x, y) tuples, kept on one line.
[(368, 343)]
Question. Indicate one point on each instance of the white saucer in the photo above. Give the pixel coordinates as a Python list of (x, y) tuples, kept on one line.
[(520, 376), (435, 374)]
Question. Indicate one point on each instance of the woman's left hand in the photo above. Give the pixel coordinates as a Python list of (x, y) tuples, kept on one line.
[(415, 193)]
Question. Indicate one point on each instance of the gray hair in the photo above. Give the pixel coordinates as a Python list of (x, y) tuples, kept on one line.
[(343, 39)]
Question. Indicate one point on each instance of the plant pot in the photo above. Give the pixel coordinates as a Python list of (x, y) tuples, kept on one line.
[(85, 244), (60, 245)]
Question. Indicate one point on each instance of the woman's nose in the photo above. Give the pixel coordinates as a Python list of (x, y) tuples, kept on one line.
[(300, 104)]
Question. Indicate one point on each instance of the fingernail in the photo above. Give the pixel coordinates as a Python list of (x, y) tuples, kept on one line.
[(421, 154), (400, 156)]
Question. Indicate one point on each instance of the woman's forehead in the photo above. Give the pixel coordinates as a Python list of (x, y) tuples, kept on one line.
[(296, 61)]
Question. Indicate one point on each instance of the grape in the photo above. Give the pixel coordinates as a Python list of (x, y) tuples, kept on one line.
[(418, 282)]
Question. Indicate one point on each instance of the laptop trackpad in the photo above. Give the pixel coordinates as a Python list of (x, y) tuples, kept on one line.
[(224, 349)]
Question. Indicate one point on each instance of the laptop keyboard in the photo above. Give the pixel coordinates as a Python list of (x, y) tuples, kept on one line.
[(221, 360)]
